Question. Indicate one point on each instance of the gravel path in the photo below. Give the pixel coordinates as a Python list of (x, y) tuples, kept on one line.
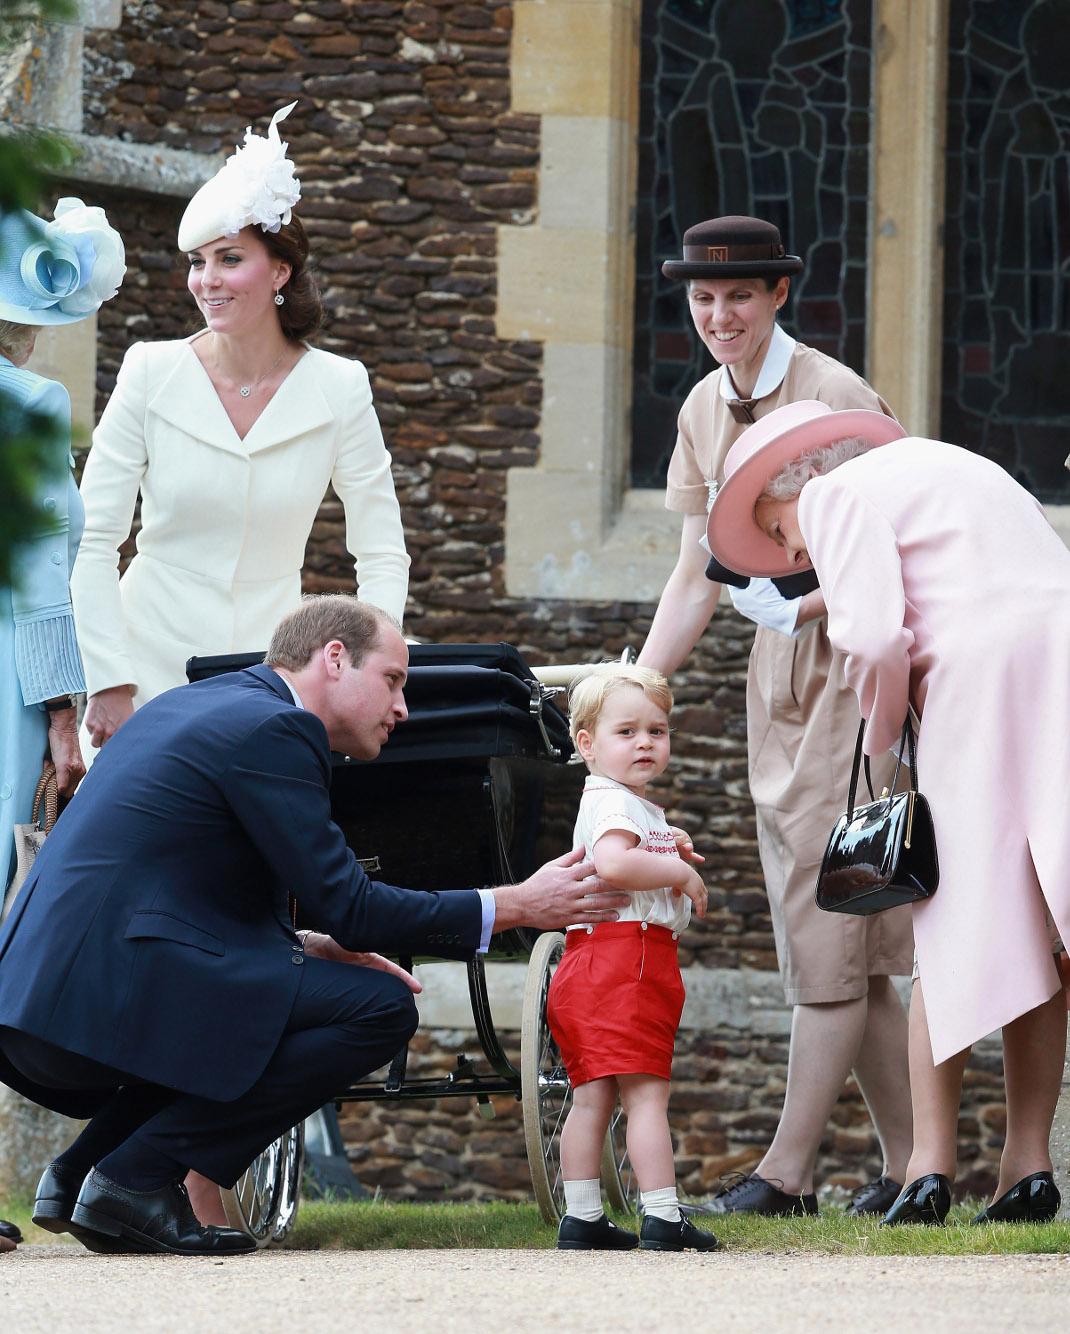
[(59, 1289)]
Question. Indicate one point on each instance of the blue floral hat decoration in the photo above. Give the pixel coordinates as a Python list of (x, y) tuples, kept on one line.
[(61, 271)]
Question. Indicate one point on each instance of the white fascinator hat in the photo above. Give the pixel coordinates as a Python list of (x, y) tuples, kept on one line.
[(255, 186)]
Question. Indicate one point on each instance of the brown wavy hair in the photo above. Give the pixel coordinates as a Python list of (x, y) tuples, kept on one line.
[(302, 313)]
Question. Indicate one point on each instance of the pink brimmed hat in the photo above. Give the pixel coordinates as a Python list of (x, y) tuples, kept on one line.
[(754, 460)]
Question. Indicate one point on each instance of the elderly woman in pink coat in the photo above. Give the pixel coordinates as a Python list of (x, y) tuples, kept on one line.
[(949, 593)]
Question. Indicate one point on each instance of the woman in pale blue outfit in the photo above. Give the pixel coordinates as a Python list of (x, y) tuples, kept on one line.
[(50, 274)]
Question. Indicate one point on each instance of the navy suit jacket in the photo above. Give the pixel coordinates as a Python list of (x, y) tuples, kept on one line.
[(153, 934)]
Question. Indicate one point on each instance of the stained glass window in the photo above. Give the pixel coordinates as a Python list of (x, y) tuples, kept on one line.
[(759, 107), (1006, 368)]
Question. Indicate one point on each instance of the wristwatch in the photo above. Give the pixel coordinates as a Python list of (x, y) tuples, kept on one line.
[(60, 703)]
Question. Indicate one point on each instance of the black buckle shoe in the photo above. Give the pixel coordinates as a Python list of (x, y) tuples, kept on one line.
[(926, 1200), (657, 1234), (10, 1232), (152, 1220), (1034, 1199), (577, 1234), (57, 1192), (875, 1197), (754, 1195)]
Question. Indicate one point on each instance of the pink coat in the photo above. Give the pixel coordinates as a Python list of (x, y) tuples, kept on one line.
[(948, 589)]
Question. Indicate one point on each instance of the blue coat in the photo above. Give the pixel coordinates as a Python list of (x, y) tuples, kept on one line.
[(153, 934), (38, 651)]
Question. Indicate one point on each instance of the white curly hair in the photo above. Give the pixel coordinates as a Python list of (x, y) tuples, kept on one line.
[(790, 480)]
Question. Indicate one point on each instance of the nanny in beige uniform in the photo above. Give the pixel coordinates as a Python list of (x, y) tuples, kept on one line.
[(231, 438), (802, 721)]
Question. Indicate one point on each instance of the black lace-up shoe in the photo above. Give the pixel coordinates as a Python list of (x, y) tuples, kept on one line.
[(875, 1197), (926, 1200), (54, 1203), (152, 1220), (658, 1235), (576, 1234), (1035, 1199), (754, 1195)]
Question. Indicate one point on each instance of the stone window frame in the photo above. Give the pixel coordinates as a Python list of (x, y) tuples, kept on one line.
[(574, 528)]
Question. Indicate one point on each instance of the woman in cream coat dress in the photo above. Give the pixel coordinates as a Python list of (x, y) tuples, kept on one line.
[(232, 438), (224, 518), (949, 592)]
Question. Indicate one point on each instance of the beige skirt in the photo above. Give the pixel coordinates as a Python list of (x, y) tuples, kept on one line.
[(802, 722)]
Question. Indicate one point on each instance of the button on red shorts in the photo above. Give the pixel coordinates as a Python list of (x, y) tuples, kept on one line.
[(615, 1001)]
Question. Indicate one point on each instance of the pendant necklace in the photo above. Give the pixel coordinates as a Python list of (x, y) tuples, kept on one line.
[(246, 389)]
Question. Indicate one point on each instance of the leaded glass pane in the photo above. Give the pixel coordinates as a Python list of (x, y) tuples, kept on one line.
[(759, 107), (1006, 372)]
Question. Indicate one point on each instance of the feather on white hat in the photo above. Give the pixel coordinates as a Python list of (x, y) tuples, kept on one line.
[(256, 185)]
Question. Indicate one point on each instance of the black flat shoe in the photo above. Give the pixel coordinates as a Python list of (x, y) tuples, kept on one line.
[(875, 1197), (152, 1220), (658, 1235), (577, 1234), (754, 1195), (10, 1231), (1035, 1199), (54, 1203), (926, 1200)]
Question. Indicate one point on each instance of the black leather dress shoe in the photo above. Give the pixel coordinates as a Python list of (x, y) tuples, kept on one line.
[(10, 1231), (1035, 1199), (577, 1234), (875, 1197), (54, 1203), (658, 1235), (926, 1200), (152, 1220), (754, 1195)]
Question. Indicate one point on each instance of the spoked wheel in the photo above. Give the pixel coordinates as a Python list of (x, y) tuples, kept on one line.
[(545, 1089), (263, 1202), (618, 1179)]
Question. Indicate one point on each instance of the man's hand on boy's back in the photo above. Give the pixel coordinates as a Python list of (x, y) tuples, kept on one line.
[(563, 891)]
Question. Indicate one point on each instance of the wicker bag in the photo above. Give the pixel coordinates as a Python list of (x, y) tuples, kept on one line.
[(30, 838)]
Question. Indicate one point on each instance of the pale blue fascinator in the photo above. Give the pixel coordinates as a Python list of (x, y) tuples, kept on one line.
[(61, 271)]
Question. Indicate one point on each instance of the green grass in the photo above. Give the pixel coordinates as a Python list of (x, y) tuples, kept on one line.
[(382, 1226), (377, 1226)]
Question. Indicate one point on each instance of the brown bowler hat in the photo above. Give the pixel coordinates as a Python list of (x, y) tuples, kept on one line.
[(732, 247)]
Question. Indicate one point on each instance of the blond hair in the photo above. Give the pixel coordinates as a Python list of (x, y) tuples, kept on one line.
[(16, 339), (321, 618), (588, 696)]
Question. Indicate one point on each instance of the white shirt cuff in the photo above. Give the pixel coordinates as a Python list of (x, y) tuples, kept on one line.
[(486, 899)]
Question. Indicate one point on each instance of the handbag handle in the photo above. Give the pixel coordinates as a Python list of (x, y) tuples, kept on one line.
[(906, 741), (46, 793)]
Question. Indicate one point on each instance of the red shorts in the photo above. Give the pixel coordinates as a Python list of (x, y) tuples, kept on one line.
[(615, 1001)]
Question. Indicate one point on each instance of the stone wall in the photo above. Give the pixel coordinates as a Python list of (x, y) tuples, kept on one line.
[(410, 158), (727, 1089)]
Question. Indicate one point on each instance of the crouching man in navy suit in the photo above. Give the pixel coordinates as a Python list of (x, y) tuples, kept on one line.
[(150, 978)]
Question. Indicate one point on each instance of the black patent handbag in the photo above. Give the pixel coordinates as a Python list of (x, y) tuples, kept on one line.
[(881, 854)]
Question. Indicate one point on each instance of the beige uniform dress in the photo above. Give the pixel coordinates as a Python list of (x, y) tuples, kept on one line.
[(802, 718)]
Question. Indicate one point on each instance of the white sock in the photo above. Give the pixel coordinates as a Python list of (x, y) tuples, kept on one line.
[(659, 1204), (583, 1199)]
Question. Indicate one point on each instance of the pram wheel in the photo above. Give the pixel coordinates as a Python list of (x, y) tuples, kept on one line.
[(263, 1202), (618, 1179), (545, 1089)]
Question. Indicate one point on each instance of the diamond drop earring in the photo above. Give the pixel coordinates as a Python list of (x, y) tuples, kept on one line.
[(280, 300)]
